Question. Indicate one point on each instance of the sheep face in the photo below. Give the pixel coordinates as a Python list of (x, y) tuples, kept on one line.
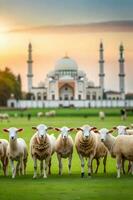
[(103, 133), (121, 130), (64, 131), (86, 131), (42, 130), (12, 132)]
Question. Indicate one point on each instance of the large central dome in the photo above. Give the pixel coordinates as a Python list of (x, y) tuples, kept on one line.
[(66, 63)]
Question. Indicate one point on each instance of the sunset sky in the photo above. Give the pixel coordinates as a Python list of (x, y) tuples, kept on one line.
[(55, 27)]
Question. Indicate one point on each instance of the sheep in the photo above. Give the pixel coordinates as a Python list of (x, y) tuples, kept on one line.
[(101, 152), (64, 147), (51, 113), (124, 130), (101, 115), (86, 144), (40, 114), (42, 147), (119, 147), (3, 155), (16, 151), (4, 116)]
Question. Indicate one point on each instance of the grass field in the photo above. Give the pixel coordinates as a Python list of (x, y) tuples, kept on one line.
[(56, 187)]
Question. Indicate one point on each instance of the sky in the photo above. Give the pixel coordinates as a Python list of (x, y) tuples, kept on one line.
[(45, 24)]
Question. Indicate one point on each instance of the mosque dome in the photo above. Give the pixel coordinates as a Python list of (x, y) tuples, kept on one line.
[(66, 63)]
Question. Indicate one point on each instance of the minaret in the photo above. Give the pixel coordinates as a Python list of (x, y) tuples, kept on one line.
[(122, 73), (101, 67), (29, 62)]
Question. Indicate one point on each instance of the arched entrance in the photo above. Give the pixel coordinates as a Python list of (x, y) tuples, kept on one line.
[(66, 92)]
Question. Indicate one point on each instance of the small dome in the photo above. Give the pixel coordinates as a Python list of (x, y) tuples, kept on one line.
[(66, 63)]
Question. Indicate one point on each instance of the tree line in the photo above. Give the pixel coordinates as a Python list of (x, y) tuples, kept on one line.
[(9, 84)]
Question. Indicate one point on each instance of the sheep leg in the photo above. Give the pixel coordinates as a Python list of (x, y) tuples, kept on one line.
[(123, 168), (13, 168), (46, 162), (41, 167), (49, 167), (25, 163), (82, 166), (118, 159), (69, 163), (90, 165), (35, 167), (21, 166), (97, 163), (60, 164), (18, 170), (131, 167), (5, 164), (104, 163)]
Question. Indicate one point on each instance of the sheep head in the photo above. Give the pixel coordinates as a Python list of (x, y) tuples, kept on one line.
[(64, 131), (12, 132), (86, 130), (121, 129)]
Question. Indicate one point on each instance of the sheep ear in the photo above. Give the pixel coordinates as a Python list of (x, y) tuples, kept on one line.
[(96, 131), (79, 129), (20, 129), (114, 128), (110, 131), (71, 129), (5, 130), (127, 128), (34, 128), (93, 128), (50, 128), (57, 129)]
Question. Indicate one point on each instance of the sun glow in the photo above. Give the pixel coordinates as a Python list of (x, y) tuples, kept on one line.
[(3, 40), (3, 36)]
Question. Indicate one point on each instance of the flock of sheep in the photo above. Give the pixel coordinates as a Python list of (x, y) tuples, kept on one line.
[(90, 144)]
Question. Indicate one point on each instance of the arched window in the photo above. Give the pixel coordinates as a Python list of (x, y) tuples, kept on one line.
[(44, 96), (88, 96), (38, 96), (94, 96), (79, 96)]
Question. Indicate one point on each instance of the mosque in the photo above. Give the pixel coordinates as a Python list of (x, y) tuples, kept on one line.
[(67, 85), (68, 82)]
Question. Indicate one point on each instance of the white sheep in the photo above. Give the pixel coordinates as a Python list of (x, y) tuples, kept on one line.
[(42, 147), (16, 151), (4, 116), (119, 147), (86, 144), (101, 115), (40, 114), (51, 113), (101, 152), (3, 155), (64, 147), (124, 130)]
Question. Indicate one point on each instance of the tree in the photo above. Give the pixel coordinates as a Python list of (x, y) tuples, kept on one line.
[(9, 84)]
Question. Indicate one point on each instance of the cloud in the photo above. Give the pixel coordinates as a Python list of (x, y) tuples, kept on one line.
[(110, 26)]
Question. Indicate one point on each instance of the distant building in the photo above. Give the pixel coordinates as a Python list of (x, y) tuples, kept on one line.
[(67, 85), (65, 82)]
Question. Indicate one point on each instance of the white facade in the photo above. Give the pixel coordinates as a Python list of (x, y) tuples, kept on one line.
[(66, 82), (67, 86), (74, 103)]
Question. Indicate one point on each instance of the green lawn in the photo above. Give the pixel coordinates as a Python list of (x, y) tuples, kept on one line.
[(66, 112), (100, 186)]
